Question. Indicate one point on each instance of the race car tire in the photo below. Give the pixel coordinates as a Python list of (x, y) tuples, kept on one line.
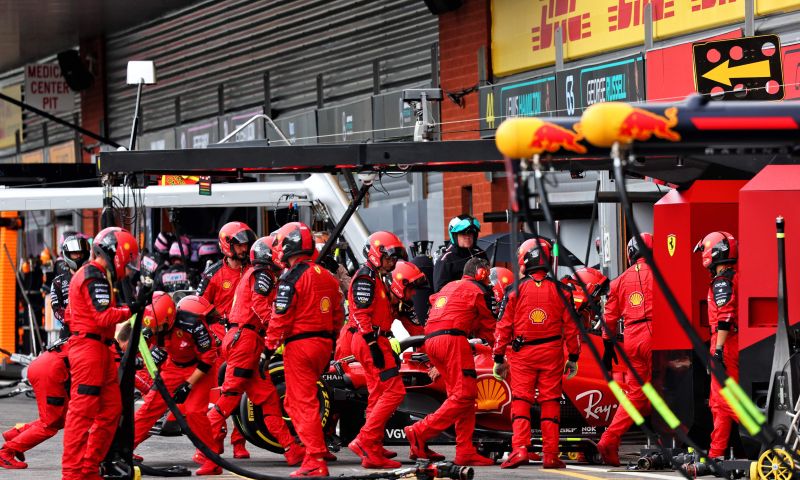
[(249, 419)]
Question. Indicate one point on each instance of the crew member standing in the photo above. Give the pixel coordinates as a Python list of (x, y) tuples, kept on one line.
[(630, 297), (461, 309), (720, 253), (538, 326), (218, 286), (463, 231), (48, 374), (95, 403), (306, 316), (371, 315), (242, 348)]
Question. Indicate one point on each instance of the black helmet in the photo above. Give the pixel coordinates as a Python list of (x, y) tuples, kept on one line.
[(76, 243)]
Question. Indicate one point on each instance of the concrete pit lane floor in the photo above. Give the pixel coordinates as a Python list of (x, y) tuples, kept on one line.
[(44, 461)]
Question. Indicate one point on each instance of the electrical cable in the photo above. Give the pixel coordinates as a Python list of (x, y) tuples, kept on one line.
[(655, 399)]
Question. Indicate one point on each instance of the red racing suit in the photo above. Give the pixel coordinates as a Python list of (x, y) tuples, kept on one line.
[(242, 347), (49, 377), (723, 315), (95, 403), (306, 315), (537, 325), (461, 309), (189, 345), (371, 313), (630, 297), (218, 286)]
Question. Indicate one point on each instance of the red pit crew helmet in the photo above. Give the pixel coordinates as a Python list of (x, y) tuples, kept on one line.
[(718, 248), (384, 244), (118, 248), (501, 278), (292, 239), (160, 314), (406, 277), (635, 249), (261, 253), (233, 233), (535, 254)]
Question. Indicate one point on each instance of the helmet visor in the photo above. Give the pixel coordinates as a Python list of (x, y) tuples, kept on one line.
[(398, 253), (466, 225), (244, 237)]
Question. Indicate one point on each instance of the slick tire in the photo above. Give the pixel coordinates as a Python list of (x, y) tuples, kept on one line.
[(250, 420)]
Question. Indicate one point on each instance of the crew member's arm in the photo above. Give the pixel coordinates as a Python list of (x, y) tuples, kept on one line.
[(441, 273), (281, 314), (485, 323), (55, 292), (572, 338), (505, 327), (612, 311), (363, 290), (263, 287), (99, 292), (338, 312), (725, 300)]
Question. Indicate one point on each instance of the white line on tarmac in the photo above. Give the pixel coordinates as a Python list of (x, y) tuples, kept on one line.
[(634, 473)]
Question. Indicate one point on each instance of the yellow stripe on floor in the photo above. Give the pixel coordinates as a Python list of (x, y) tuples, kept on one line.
[(582, 476)]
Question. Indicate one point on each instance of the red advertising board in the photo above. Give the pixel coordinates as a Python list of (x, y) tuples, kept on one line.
[(791, 71), (670, 71)]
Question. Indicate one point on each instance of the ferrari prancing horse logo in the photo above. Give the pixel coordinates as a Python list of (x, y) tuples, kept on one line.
[(671, 239)]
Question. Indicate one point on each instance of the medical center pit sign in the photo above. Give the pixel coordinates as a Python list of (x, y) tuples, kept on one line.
[(46, 89)]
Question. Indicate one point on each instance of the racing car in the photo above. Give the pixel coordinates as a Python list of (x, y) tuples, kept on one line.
[(587, 404)]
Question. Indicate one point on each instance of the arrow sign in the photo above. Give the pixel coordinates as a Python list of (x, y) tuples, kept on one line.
[(723, 73), (747, 68)]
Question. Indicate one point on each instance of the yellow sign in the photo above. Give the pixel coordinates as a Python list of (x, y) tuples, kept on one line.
[(723, 73), (10, 117), (524, 31), (36, 156), (671, 240), (764, 7)]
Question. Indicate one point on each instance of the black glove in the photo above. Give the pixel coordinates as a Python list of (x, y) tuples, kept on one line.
[(263, 363), (182, 393), (158, 354), (718, 356), (143, 297), (375, 350), (609, 354)]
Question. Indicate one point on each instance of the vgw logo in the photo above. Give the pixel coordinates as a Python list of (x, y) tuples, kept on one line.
[(395, 433)]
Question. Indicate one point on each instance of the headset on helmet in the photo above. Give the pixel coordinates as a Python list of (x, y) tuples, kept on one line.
[(596, 285), (292, 239), (405, 277), (118, 248), (75, 244), (463, 224), (261, 253), (535, 254), (718, 248), (501, 278), (384, 244), (235, 233), (159, 316), (635, 248)]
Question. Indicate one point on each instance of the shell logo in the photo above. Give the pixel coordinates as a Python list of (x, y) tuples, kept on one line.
[(636, 299), (325, 305), (147, 321), (492, 395), (227, 284), (440, 302), (538, 316), (126, 246)]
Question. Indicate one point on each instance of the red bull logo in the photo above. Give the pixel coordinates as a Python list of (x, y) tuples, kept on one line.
[(552, 138), (641, 125)]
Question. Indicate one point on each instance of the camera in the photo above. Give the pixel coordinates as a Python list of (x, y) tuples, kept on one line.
[(652, 461)]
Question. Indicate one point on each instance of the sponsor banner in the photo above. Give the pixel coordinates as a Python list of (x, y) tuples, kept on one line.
[(198, 135), (300, 129), (46, 89), (161, 140), (61, 153), (346, 123), (618, 81), (535, 97), (253, 131), (36, 156), (393, 118), (670, 71), (10, 117), (764, 7), (524, 31), (791, 71)]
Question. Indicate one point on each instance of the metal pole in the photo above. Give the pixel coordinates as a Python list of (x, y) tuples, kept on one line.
[(35, 340), (351, 209), (591, 224), (132, 143)]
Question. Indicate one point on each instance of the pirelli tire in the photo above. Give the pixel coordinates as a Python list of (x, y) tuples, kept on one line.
[(249, 419)]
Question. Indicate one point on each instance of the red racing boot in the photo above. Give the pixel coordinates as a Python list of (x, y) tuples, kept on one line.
[(534, 457), (199, 458), (13, 433), (517, 457), (472, 459), (371, 457), (388, 453), (418, 449), (295, 454), (329, 457), (311, 467), (551, 460), (209, 468), (7, 460), (609, 453), (240, 451)]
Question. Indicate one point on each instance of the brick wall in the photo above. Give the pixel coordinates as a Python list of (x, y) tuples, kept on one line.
[(461, 34), (93, 112)]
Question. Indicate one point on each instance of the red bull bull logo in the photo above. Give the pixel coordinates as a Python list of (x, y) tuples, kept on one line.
[(604, 124), (552, 138), (640, 125)]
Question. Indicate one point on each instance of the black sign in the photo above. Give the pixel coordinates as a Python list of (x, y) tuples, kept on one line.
[(617, 81), (526, 98), (300, 129), (253, 131), (346, 123), (161, 140), (746, 68), (198, 135)]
